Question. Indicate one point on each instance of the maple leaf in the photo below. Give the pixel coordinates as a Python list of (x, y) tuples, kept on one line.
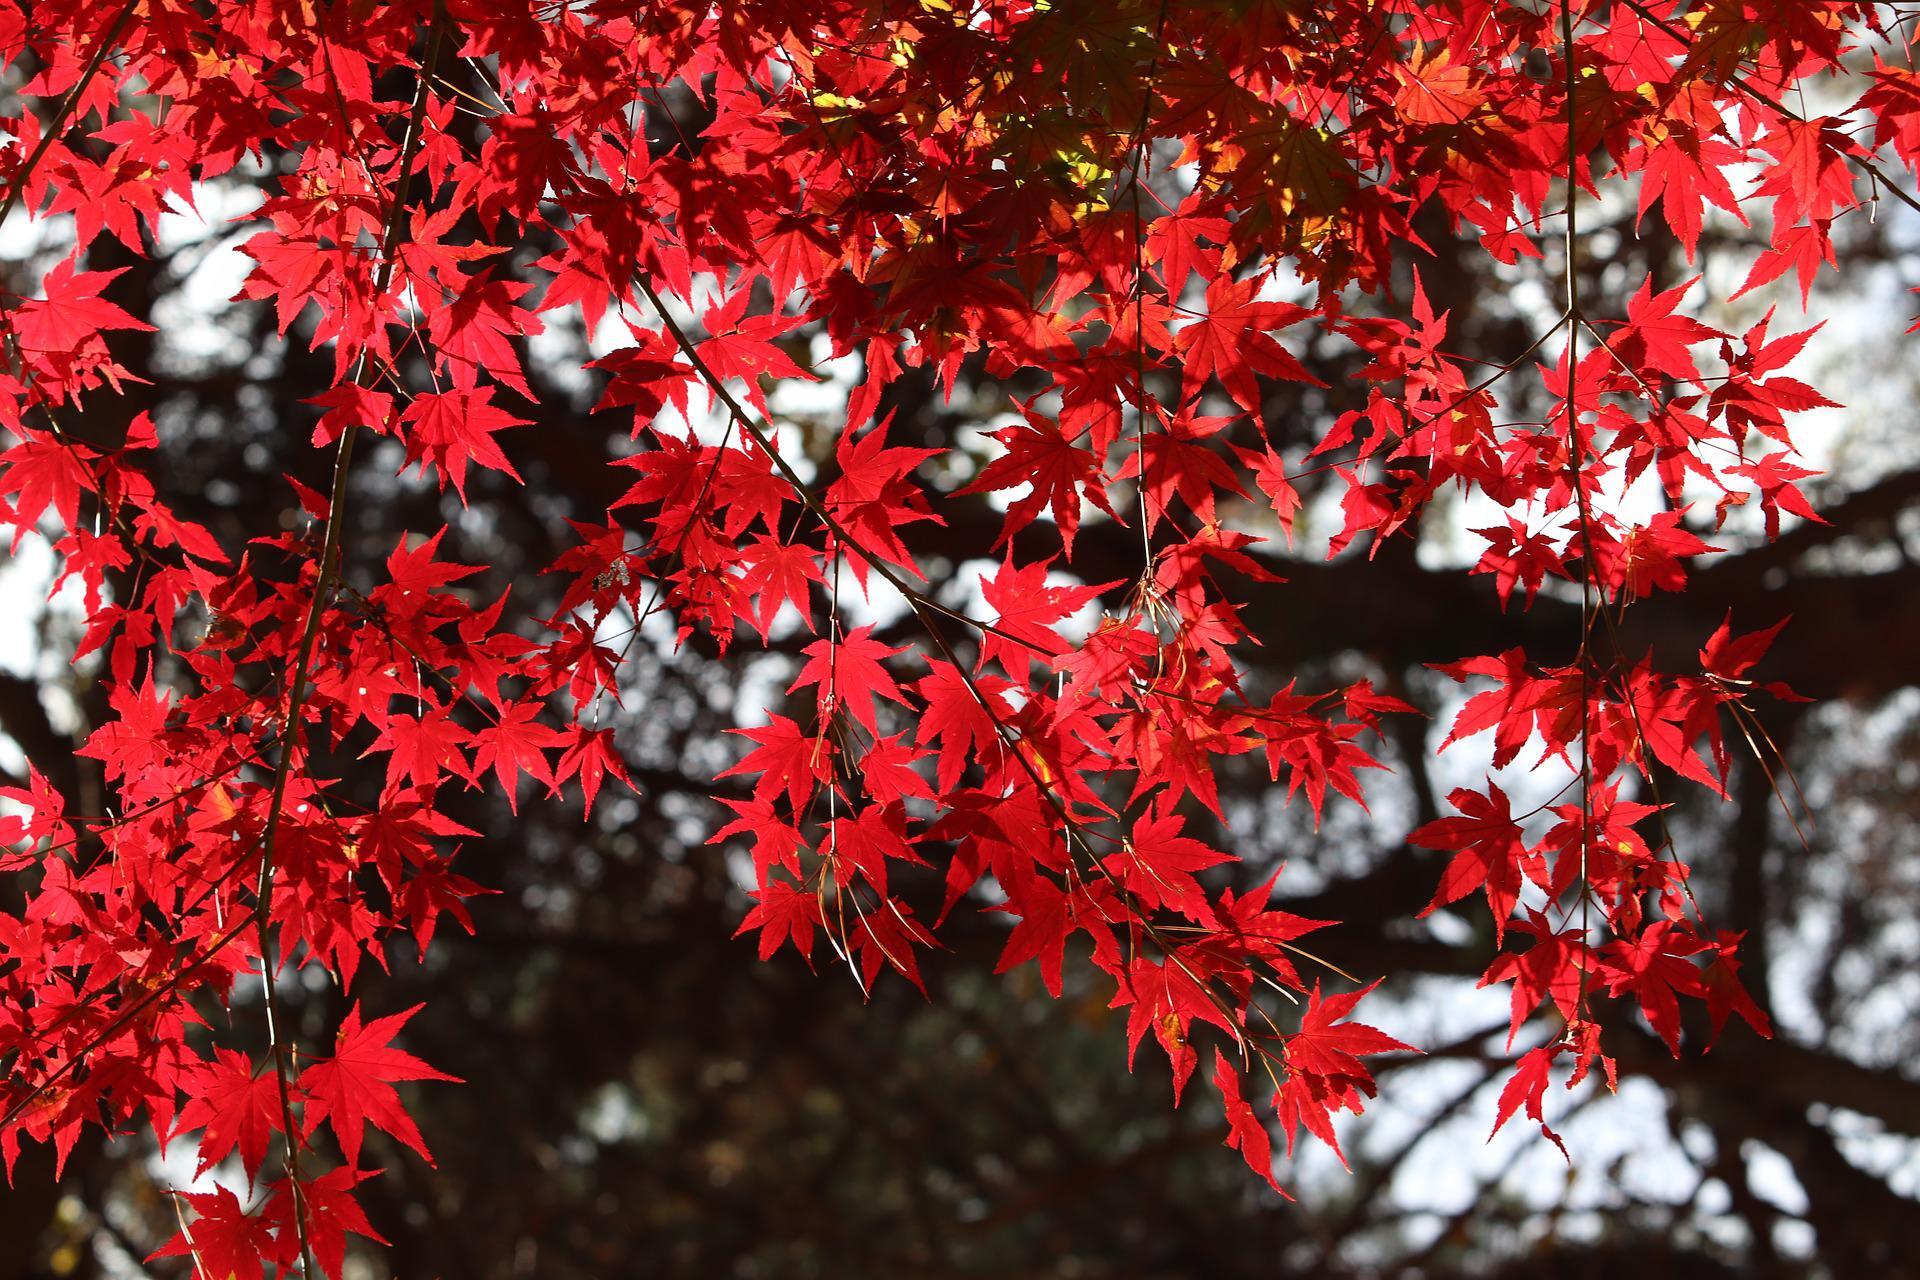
[(1270, 474), (1684, 172), (1436, 91), (1157, 865), (1028, 611), (451, 430), (1311, 1101), (523, 158), (592, 755), (1489, 850), (1730, 657), (224, 1240), (1173, 243), (1654, 966), (514, 744), (1800, 249), (1010, 836), (162, 528), (415, 571), (1045, 921), (1317, 754), (1231, 342), (1894, 101), (1809, 176), (71, 312), (777, 574), (44, 473), (873, 498), (1655, 339), (850, 675), (646, 378), (326, 1205), (423, 748), (887, 772), (776, 842), (1517, 556), (1174, 463), (959, 719), (1667, 717), (351, 405), (1165, 997), (887, 935), (1061, 475), (430, 890), (1246, 923), (1509, 709), (1650, 557), (782, 914), (237, 1106), (1726, 995), (739, 347), (1548, 969), (1776, 478), (1326, 1046), (354, 1087), (474, 332), (1245, 1133), (1366, 508), (787, 759), (865, 842), (1528, 1086)]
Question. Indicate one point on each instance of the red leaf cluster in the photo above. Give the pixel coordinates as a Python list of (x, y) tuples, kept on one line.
[(1047, 739)]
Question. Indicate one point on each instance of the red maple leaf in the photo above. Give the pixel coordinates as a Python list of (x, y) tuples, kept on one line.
[(237, 1106), (1060, 473), (1528, 1086), (1326, 1046), (960, 719), (354, 1087), (327, 1206), (787, 758), (423, 746), (887, 935), (44, 473), (1231, 342), (1489, 851), (783, 913), (1173, 462), (474, 332), (1028, 611), (71, 312), (850, 674), (1245, 1133), (514, 744), (1656, 969), (223, 1239), (451, 430), (593, 755), (1157, 865), (873, 498), (1726, 994), (1655, 339), (1165, 997), (1550, 968), (1045, 921)]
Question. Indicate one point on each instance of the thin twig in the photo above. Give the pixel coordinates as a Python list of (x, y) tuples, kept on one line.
[(309, 633)]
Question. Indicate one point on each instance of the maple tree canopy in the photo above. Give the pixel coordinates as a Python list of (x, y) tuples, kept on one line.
[(1139, 215)]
